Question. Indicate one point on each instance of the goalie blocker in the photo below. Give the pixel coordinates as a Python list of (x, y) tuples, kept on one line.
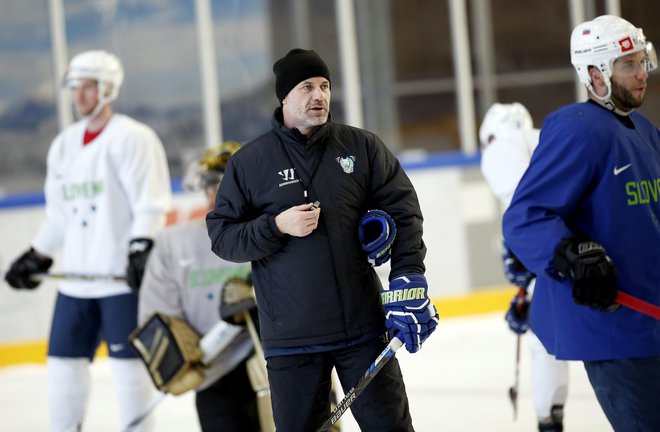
[(170, 348)]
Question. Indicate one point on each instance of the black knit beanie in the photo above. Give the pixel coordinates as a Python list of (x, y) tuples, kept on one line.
[(295, 67)]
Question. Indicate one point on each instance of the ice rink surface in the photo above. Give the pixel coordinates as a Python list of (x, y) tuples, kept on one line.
[(458, 382)]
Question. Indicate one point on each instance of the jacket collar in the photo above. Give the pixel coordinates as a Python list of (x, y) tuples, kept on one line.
[(289, 135)]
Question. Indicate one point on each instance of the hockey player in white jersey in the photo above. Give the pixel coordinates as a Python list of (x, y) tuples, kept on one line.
[(107, 193), (508, 140), (184, 279)]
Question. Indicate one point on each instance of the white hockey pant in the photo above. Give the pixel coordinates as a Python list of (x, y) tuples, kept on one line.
[(549, 378)]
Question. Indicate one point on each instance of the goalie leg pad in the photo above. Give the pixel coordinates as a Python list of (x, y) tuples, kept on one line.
[(169, 347)]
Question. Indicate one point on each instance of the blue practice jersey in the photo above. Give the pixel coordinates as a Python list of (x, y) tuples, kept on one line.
[(591, 174)]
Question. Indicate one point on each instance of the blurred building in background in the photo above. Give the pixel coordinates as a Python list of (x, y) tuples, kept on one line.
[(419, 73)]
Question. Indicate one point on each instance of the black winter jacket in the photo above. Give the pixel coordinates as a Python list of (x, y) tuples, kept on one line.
[(319, 288)]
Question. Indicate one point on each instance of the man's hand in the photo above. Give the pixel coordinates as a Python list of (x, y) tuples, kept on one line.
[(21, 272), (514, 270), (138, 252), (298, 221), (586, 263), (409, 313), (518, 314)]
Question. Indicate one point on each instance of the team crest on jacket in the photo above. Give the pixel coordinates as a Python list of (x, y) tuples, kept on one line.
[(347, 163)]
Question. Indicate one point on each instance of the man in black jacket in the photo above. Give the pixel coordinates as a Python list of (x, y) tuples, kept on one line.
[(319, 298)]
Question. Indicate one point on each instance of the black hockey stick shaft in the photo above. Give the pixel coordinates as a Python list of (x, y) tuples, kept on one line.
[(369, 375), (513, 390)]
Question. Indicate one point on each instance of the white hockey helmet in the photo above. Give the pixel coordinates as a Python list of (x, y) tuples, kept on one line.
[(97, 65), (210, 167), (600, 42), (502, 119)]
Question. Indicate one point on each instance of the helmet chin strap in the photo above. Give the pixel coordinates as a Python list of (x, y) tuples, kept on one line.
[(103, 101), (607, 99)]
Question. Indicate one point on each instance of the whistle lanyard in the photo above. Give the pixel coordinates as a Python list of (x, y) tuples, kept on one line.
[(305, 186)]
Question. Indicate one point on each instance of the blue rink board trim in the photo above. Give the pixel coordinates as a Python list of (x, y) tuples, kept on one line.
[(429, 161)]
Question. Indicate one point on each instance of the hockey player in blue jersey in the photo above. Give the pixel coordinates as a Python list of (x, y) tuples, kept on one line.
[(584, 219)]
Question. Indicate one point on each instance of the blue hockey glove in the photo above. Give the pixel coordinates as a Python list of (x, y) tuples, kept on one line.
[(409, 314), (377, 231), (138, 252), (518, 314), (514, 270)]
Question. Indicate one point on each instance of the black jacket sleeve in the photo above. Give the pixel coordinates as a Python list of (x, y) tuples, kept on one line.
[(393, 192), (237, 232)]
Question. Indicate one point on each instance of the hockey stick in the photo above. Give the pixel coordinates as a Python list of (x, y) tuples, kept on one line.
[(81, 277), (513, 390), (369, 374), (71, 276), (637, 304), (137, 420)]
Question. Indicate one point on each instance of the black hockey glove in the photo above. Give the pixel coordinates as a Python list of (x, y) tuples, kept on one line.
[(21, 272), (138, 252), (586, 263)]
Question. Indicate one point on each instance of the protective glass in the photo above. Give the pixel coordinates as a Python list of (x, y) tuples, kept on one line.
[(635, 64)]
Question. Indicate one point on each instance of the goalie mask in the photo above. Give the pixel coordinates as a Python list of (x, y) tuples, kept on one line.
[(208, 170), (100, 66), (598, 43)]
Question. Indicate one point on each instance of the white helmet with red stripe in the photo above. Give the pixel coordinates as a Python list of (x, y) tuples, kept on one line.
[(598, 43)]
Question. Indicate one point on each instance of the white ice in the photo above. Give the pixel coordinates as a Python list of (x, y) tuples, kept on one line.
[(458, 382)]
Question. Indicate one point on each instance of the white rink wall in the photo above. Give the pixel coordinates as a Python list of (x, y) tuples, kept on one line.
[(461, 232)]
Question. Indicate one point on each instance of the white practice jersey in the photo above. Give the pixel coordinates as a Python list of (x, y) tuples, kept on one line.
[(99, 197), (504, 161), (184, 279)]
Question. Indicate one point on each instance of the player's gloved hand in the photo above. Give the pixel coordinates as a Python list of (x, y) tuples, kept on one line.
[(586, 263), (236, 299), (514, 270), (377, 231), (21, 272), (138, 252), (518, 314), (409, 313)]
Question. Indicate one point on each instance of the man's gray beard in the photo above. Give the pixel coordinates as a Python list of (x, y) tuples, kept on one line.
[(623, 98)]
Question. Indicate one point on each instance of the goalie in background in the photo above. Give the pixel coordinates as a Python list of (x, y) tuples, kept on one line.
[(184, 280), (508, 139)]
